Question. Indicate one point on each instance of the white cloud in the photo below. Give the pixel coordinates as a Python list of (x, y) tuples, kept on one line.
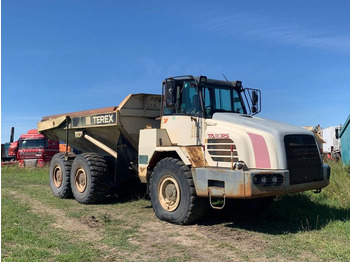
[(295, 34)]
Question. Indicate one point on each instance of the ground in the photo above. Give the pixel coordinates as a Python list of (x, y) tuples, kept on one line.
[(38, 226)]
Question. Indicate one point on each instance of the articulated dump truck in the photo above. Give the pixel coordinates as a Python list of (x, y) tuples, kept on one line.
[(197, 143)]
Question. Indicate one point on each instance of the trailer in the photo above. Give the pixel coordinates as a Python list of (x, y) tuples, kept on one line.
[(196, 142), (345, 142), (332, 147), (6, 155)]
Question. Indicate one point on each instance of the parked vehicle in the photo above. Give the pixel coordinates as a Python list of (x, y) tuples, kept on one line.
[(196, 142), (344, 136), (33, 149), (332, 147), (7, 153)]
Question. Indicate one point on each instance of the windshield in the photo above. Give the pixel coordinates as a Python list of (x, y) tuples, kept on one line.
[(31, 143), (186, 97), (222, 99)]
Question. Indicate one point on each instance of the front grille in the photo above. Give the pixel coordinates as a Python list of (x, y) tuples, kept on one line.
[(28, 155), (303, 159), (222, 150)]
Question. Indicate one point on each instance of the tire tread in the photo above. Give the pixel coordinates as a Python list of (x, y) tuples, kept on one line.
[(99, 181), (197, 207)]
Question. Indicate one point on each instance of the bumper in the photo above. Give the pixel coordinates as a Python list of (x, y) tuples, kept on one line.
[(219, 182), (31, 163)]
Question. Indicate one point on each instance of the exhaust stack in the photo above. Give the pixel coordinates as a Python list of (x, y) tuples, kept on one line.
[(12, 134)]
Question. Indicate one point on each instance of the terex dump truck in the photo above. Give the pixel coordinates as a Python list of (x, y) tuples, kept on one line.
[(196, 142)]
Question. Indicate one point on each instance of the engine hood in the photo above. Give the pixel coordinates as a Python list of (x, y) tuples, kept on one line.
[(259, 142), (262, 124)]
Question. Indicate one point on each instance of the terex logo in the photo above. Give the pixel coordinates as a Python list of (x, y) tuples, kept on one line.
[(218, 136), (104, 119)]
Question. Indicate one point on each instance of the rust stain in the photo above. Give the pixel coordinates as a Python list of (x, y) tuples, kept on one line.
[(241, 190), (143, 174), (248, 186), (196, 156)]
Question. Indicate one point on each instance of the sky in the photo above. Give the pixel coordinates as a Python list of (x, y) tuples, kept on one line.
[(62, 56)]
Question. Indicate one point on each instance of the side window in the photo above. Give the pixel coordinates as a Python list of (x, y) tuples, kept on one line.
[(237, 103), (223, 99), (167, 111), (207, 102), (182, 98), (190, 104), (172, 98), (168, 102)]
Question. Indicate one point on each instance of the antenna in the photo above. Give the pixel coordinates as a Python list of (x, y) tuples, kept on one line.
[(224, 77)]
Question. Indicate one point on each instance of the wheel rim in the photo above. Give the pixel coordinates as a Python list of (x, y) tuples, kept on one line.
[(80, 180), (169, 193), (57, 176)]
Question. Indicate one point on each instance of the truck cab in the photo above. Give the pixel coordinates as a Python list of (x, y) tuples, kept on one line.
[(191, 101), (35, 149)]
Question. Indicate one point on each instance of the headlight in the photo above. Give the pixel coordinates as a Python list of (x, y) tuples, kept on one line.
[(268, 179), (274, 180)]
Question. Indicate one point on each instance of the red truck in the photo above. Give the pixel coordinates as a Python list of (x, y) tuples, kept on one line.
[(33, 149)]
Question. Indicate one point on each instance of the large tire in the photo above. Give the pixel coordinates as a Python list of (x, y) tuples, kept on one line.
[(172, 193), (60, 176), (89, 181)]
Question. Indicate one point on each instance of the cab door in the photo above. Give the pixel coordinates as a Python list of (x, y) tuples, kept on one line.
[(182, 113)]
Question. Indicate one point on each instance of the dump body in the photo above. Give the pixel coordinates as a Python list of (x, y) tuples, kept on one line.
[(106, 125)]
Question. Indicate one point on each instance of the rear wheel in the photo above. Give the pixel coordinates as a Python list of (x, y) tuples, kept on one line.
[(60, 176), (172, 192), (88, 179)]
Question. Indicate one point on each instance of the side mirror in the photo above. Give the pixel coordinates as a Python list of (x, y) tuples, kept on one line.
[(169, 95), (255, 99), (254, 109)]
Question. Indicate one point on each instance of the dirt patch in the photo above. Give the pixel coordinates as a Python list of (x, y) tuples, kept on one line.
[(158, 239), (155, 239), (206, 243), (91, 221), (73, 225)]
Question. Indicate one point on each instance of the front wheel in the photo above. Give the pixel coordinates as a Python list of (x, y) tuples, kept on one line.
[(172, 192)]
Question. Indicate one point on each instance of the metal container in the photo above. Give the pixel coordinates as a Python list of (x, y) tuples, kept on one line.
[(104, 130)]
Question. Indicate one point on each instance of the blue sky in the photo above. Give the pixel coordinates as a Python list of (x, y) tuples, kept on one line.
[(69, 55)]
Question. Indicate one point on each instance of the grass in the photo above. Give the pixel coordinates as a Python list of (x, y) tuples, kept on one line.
[(26, 236), (306, 222), (36, 226)]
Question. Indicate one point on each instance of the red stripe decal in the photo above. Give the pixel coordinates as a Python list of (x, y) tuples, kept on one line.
[(261, 153)]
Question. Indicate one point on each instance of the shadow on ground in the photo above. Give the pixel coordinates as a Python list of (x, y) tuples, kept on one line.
[(292, 214), (127, 191)]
